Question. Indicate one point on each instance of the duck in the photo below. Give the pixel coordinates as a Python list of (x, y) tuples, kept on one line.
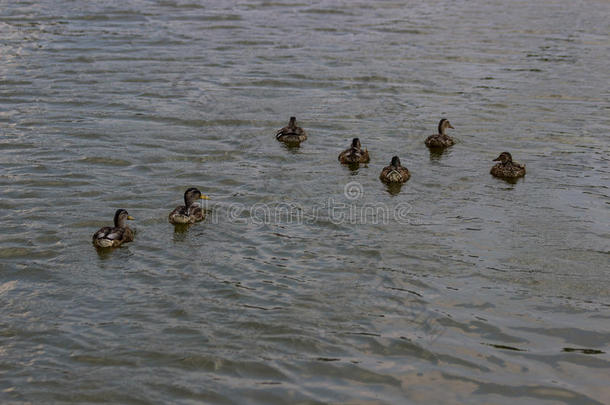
[(507, 169), (441, 140), (291, 134), (354, 154), (395, 172), (114, 236), (189, 213)]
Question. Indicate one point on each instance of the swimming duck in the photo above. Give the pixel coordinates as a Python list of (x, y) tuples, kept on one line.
[(291, 133), (354, 154), (114, 236), (507, 169), (395, 172), (441, 140), (190, 212)]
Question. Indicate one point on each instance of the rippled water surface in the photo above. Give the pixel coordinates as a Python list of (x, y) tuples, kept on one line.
[(459, 288)]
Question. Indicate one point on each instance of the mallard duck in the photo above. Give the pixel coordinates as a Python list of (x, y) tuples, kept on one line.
[(507, 169), (190, 212), (395, 172), (117, 235), (354, 154), (291, 133), (441, 140)]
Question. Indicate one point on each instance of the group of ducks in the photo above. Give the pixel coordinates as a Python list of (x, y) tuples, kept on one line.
[(292, 134), (395, 172), (120, 233)]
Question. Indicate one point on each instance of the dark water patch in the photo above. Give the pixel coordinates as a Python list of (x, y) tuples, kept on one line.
[(329, 11), (583, 351), (505, 347), (576, 336), (105, 161)]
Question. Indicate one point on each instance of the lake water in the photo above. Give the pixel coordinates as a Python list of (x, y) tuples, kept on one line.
[(308, 283)]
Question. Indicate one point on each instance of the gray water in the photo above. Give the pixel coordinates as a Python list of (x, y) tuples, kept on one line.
[(461, 288)]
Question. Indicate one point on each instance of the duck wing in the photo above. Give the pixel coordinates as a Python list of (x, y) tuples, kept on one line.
[(102, 232), (115, 234), (110, 233), (290, 131), (196, 212), (178, 214)]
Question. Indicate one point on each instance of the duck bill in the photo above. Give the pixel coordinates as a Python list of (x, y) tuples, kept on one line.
[(497, 159), (204, 197), (130, 217), (451, 126)]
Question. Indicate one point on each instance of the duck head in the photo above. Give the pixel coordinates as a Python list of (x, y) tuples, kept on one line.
[(356, 143), (292, 123), (120, 216), (395, 162), (504, 157), (443, 125), (191, 195)]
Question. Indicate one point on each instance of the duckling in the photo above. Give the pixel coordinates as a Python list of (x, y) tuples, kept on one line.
[(291, 134), (441, 140), (354, 154), (507, 169), (188, 213), (117, 235), (395, 172)]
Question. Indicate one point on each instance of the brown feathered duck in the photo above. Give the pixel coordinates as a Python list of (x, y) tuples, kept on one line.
[(190, 212), (291, 134), (395, 172), (354, 154), (441, 140), (507, 169), (109, 236)]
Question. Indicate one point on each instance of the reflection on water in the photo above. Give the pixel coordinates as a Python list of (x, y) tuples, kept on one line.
[(436, 153), (104, 253), (509, 180), (291, 147), (393, 188), (180, 232), (496, 291), (354, 167)]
